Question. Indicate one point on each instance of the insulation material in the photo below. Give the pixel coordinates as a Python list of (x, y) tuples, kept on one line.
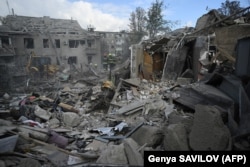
[(158, 62), (147, 66)]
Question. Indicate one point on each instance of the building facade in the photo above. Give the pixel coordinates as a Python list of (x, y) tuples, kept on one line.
[(116, 44), (41, 41), (58, 41), (44, 40)]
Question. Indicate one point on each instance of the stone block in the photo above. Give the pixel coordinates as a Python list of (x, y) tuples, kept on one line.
[(208, 131)]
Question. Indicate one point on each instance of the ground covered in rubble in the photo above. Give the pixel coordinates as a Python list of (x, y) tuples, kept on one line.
[(90, 121)]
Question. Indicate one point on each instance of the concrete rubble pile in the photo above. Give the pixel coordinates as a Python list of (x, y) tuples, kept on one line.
[(89, 121), (142, 116), (68, 127)]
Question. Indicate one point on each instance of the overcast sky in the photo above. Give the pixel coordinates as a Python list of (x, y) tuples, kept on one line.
[(110, 15)]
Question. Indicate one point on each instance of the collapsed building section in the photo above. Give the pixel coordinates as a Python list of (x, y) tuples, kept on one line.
[(188, 51), (215, 54), (187, 91)]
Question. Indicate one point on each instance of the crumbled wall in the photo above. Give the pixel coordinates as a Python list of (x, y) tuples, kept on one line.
[(227, 37)]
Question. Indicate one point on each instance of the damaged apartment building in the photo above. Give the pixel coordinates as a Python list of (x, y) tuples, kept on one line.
[(115, 43), (189, 51), (28, 43)]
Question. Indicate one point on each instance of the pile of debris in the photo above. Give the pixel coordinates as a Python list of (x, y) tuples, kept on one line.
[(93, 122), (66, 130)]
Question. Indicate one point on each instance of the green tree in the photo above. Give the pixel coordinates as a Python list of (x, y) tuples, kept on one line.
[(140, 17), (155, 21), (132, 24), (137, 24), (137, 20), (229, 7)]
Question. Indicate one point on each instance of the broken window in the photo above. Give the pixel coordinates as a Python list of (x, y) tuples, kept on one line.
[(45, 43), (57, 42), (89, 56), (75, 43), (72, 60), (91, 43), (4, 41), (29, 43), (82, 42)]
